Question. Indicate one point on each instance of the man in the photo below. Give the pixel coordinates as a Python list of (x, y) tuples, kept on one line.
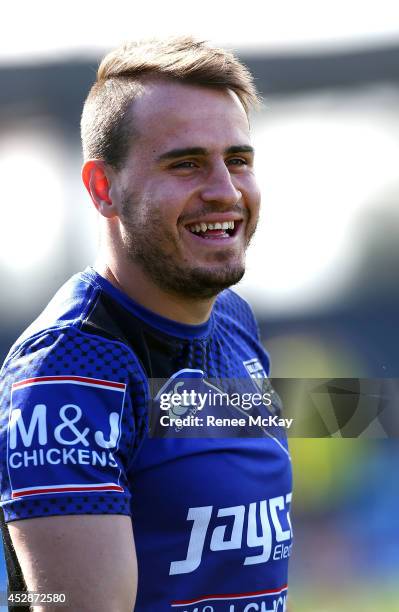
[(96, 507)]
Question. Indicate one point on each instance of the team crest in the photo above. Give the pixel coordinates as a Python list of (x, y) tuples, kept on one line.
[(256, 370)]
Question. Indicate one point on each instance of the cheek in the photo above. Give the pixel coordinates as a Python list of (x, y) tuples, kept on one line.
[(251, 193), (164, 214), (169, 201)]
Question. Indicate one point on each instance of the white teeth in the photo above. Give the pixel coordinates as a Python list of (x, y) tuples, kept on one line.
[(202, 227)]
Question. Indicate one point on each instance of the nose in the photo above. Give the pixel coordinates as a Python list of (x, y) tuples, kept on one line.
[(219, 187)]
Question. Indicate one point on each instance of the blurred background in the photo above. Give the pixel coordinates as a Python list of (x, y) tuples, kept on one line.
[(323, 269)]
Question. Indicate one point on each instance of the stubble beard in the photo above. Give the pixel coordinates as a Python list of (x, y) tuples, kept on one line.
[(155, 249)]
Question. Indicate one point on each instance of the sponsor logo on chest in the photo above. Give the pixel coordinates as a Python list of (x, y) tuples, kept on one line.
[(262, 530)]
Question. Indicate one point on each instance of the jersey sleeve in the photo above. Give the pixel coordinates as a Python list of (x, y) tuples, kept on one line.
[(72, 417)]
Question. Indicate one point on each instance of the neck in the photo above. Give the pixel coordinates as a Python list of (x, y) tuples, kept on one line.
[(131, 280)]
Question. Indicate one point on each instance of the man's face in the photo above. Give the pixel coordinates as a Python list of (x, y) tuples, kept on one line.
[(187, 193)]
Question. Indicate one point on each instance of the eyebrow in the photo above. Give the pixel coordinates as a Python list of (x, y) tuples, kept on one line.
[(176, 153)]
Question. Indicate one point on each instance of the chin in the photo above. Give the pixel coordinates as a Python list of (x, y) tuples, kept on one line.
[(193, 280), (205, 283)]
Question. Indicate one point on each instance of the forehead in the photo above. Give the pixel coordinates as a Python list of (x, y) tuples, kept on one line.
[(171, 114)]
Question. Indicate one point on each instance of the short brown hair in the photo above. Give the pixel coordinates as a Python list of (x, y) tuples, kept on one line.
[(106, 127)]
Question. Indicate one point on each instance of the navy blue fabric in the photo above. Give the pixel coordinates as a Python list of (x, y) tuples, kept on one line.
[(210, 516)]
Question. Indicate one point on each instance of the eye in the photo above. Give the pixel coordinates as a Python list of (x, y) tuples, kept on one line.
[(185, 164), (238, 161)]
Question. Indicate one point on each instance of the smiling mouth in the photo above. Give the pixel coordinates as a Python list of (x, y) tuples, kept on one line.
[(217, 230)]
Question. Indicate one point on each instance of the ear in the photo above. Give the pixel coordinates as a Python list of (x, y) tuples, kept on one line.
[(97, 179)]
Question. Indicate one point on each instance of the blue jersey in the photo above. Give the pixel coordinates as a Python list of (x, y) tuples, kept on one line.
[(210, 512)]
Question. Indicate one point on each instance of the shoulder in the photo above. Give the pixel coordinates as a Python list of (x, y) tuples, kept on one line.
[(62, 348), (236, 309), (235, 320), (66, 310), (74, 330)]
